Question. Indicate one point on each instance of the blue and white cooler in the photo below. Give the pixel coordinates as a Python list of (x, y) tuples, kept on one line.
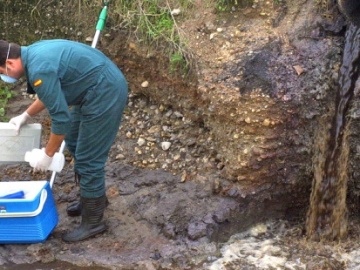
[(27, 212)]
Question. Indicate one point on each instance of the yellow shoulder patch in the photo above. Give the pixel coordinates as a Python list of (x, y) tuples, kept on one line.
[(38, 82)]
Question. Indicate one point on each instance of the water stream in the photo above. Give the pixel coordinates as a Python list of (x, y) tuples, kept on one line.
[(327, 216)]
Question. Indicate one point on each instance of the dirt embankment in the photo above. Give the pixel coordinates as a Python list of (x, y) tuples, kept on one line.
[(251, 112), (239, 136)]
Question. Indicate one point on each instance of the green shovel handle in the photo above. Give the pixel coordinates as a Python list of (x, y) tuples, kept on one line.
[(102, 18)]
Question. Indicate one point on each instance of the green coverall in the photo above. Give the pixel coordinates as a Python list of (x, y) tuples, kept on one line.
[(65, 73)]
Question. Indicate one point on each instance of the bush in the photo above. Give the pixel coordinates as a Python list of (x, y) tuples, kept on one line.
[(5, 95)]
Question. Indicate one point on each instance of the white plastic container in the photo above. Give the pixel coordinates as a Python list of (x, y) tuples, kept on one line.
[(56, 165), (13, 147)]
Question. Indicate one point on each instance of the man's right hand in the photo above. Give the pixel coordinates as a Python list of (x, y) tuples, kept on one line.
[(19, 121)]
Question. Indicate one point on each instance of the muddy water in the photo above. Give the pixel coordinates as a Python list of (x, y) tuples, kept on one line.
[(327, 214)]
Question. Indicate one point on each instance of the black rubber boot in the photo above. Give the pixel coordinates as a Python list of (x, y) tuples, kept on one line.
[(91, 223), (74, 209)]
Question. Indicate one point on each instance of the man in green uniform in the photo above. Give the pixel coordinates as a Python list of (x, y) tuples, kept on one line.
[(67, 74)]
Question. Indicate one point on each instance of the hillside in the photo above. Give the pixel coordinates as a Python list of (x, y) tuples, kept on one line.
[(241, 130)]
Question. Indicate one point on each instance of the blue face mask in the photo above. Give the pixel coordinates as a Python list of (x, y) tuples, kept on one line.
[(7, 78)]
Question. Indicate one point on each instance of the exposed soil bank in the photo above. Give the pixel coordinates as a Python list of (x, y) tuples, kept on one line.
[(243, 130)]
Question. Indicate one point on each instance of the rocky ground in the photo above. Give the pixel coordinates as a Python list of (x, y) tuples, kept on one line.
[(160, 220), (225, 152)]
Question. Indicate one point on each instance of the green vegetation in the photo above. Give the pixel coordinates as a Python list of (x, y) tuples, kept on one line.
[(5, 95), (154, 22), (178, 63)]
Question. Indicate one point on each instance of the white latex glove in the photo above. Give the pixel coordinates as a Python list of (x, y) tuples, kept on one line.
[(19, 121), (40, 160)]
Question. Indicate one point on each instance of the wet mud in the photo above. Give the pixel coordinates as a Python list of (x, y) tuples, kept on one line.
[(327, 218), (50, 266), (242, 137)]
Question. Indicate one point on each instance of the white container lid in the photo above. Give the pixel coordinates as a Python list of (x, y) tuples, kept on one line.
[(13, 147)]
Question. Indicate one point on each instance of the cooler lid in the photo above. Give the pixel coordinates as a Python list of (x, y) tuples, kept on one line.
[(30, 201)]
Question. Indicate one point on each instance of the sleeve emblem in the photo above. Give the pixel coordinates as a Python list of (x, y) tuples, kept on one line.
[(38, 82)]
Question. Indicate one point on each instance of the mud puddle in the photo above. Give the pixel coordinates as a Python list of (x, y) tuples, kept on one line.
[(282, 245)]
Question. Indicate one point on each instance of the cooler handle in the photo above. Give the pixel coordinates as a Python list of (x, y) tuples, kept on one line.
[(43, 197)]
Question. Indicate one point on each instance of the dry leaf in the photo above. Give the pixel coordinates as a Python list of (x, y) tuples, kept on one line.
[(299, 70)]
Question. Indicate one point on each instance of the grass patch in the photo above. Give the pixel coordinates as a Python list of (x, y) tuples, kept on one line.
[(154, 22), (5, 95), (178, 63)]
